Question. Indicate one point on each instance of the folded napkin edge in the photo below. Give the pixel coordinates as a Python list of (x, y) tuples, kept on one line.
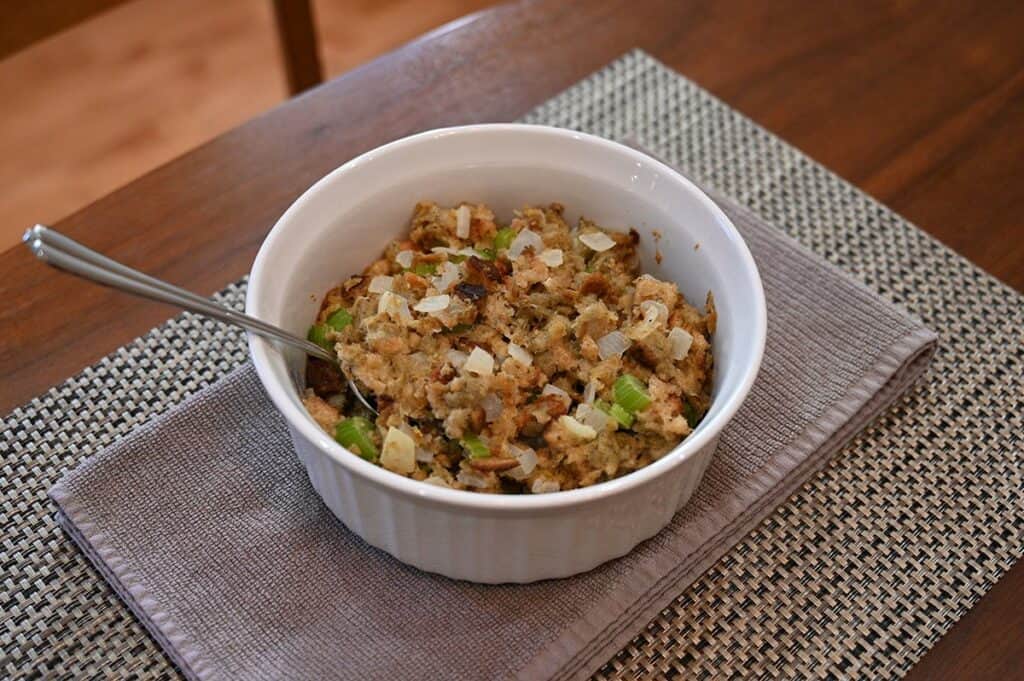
[(59, 491), (127, 584)]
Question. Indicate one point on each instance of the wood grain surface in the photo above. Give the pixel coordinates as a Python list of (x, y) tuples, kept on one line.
[(23, 23), (111, 98), (920, 103)]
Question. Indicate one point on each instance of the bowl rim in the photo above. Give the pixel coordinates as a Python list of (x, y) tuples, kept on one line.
[(261, 350)]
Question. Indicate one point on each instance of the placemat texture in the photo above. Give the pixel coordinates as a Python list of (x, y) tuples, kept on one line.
[(856, 575), (205, 522)]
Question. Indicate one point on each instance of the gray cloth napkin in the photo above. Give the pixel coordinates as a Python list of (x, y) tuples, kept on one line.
[(204, 522)]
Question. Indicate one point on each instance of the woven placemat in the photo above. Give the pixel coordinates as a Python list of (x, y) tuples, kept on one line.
[(856, 575)]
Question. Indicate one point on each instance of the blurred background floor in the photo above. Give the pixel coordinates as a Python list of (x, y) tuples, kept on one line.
[(89, 109)]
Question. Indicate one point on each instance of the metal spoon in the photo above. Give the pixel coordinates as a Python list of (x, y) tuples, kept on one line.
[(66, 254)]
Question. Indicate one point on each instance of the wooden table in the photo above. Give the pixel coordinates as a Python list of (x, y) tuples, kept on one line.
[(919, 102)]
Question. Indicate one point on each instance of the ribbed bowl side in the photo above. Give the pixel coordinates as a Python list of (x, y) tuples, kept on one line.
[(495, 546)]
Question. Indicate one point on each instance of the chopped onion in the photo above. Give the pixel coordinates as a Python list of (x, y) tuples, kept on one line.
[(516, 473), (578, 429), (448, 275), (467, 251), (590, 392), (598, 241), (394, 306), (399, 452), (525, 239), (526, 457), (424, 455), (591, 416), (612, 345), (462, 219), (456, 358), (403, 310), (552, 257), (380, 284), (433, 303), (654, 311), (492, 407), (544, 486), (520, 355), (479, 362), (434, 480), (681, 341), (555, 390), (472, 479), (404, 258)]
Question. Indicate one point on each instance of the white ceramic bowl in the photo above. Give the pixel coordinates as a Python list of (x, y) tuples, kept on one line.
[(341, 224)]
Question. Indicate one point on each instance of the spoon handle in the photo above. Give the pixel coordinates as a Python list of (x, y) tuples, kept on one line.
[(66, 254)]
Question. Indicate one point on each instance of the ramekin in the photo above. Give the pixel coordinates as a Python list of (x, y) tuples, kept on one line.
[(344, 220)]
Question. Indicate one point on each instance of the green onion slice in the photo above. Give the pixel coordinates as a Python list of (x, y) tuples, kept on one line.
[(475, 447), (691, 414), (318, 334), (631, 394), (424, 268), (617, 412), (504, 237), (486, 253), (339, 319), (354, 433)]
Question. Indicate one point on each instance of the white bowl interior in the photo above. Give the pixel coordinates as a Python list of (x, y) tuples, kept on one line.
[(342, 223)]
